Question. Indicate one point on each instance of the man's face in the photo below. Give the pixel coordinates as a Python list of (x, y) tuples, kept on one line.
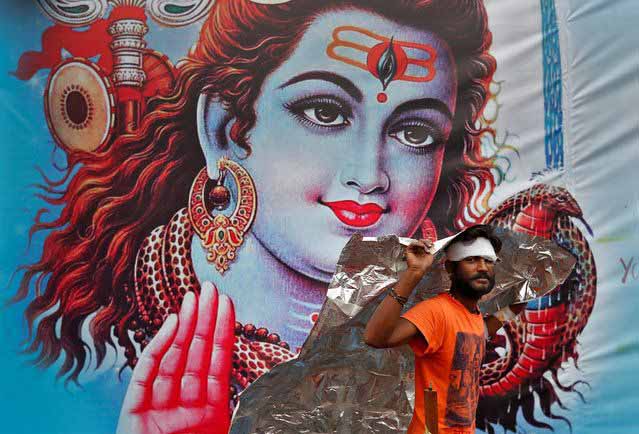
[(474, 276)]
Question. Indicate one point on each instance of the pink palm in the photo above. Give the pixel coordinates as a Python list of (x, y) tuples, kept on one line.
[(181, 382)]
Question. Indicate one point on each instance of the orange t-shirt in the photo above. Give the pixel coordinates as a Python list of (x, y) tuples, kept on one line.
[(450, 362)]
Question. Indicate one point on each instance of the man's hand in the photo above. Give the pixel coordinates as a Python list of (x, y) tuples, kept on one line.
[(496, 321), (419, 257), (181, 382), (518, 308)]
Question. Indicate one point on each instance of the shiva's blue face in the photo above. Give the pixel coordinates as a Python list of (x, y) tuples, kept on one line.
[(350, 136)]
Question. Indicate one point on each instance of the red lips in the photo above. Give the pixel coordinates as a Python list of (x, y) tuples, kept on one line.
[(354, 214)]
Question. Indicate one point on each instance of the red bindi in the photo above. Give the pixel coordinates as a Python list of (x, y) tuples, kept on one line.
[(382, 97)]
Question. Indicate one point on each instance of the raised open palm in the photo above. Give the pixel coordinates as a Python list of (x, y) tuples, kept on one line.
[(181, 382)]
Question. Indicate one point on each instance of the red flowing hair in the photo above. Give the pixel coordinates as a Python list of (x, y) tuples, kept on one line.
[(116, 195)]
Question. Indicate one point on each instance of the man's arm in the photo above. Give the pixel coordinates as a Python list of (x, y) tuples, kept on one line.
[(493, 323), (386, 328)]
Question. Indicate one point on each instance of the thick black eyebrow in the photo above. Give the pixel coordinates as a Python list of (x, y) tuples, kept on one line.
[(343, 82), (424, 104)]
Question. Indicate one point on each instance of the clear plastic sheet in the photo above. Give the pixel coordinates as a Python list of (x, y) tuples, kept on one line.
[(338, 384)]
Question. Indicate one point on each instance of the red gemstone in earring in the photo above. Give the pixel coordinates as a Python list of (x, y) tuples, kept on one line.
[(219, 197)]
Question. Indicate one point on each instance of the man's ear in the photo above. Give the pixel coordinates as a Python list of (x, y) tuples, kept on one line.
[(214, 124)]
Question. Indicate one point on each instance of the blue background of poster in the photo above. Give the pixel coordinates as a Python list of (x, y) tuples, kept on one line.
[(600, 70)]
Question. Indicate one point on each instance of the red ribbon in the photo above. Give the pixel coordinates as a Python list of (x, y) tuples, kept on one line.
[(89, 43)]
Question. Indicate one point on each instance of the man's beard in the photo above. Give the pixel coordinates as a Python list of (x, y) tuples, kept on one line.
[(464, 287)]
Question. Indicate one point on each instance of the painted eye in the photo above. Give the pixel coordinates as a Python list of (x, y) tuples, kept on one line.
[(323, 111), (325, 114), (414, 136)]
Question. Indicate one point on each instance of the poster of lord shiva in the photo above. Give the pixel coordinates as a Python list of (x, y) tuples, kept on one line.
[(222, 153)]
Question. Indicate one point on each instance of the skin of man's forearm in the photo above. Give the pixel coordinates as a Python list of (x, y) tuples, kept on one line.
[(493, 325), (381, 325)]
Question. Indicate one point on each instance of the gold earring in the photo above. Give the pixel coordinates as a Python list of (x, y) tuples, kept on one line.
[(222, 235)]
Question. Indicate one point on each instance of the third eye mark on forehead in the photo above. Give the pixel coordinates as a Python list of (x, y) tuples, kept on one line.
[(351, 89), (386, 58)]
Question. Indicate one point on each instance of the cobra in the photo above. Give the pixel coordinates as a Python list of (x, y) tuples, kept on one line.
[(545, 336)]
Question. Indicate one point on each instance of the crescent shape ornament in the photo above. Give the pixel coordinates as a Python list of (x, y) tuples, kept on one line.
[(73, 13), (178, 13)]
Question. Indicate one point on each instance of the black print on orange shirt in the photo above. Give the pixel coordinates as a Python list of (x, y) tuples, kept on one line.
[(463, 389)]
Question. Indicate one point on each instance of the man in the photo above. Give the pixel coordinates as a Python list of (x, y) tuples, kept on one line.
[(447, 333)]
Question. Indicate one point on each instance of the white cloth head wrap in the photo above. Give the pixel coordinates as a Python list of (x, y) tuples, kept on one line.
[(480, 247)]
